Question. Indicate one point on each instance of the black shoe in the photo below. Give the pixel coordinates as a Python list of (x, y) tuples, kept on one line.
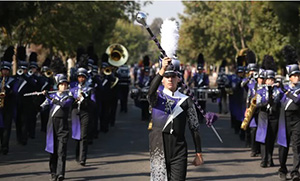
[(263, 164), (53, 177), (82, 163), (60, 178), (253, 154), (4, 151), (271, 164), (295, 176), (282, 176)]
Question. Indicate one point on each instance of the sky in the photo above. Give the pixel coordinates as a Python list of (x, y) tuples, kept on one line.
[(163, 9)]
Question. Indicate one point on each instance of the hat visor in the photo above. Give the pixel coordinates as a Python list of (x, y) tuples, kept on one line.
[(6, 67), (63, 80), (170, 73), (294, 72), (82, 75)]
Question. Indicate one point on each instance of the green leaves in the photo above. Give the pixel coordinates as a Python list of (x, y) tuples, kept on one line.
[(220, 29)]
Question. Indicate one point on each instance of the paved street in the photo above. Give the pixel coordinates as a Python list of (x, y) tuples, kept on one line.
[(122, 154)]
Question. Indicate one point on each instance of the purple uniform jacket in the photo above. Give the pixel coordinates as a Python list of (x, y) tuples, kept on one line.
[(59, 109), (289, 102), (88, 95)]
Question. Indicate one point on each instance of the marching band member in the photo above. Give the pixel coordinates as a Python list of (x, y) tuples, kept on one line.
[(57, 128), (7, 99), (200, 80), (47, 84), (171, 110), (237, 106), (268, 105), (84, 97), (289, 120), (223, 82), (24, 84), (168, 152), (36, 100), (250, 84), (144, 81), (124, 83)]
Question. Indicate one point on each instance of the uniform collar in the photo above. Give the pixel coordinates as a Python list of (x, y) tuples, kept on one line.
[(175, 94)]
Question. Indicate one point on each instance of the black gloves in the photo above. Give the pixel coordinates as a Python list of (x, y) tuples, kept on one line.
[(47, 95), (55, 101), (282, 87)]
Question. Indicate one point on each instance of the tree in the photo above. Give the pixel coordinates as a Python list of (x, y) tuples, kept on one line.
[(62, 26)]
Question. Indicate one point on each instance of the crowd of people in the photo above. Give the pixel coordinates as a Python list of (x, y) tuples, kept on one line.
[(268, 104), (88, 97)]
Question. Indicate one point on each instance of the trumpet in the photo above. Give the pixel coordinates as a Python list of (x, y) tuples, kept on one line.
[(30, 72), (20, 71), (48, 73), (107, 70)]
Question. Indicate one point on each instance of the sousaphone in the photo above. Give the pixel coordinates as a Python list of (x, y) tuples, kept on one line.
[(117, 55)]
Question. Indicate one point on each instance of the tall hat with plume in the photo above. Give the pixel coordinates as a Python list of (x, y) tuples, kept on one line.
[(290, 56), (251, 61), (169, 42), (59, 70), (7, 58), (46, 65), (104, 60), (200, 62), (146, 61), (93, 58), (58, 66), (269, 66), (21, 57), (33, 60), (241, 60), (222, 66)]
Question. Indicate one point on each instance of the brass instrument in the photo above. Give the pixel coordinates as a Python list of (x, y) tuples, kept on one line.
[(117, 55), (107, 70), (20, 71), (48, 73), (30, 72), (249, 114), (2, 93)]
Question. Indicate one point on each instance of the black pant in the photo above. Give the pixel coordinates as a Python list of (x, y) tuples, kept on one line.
[(176, 158), (113, 111), (82, 144), (105, 113), (57, 161), (267, 148), (44, 119), (21, 126), (292, 134), (145, 110), (32, 122), (123, 96), (223, 102), (255, 146), (5, 131)]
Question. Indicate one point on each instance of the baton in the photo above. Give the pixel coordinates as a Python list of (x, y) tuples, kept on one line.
[(216, 133)]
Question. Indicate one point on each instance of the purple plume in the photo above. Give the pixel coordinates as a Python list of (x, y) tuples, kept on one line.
[(210, 118)]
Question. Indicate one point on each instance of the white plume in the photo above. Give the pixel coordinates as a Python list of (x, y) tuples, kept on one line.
[(169, 37)]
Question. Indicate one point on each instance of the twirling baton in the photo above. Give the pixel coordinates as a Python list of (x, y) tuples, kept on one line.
[(210, 117), (141, 18)]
